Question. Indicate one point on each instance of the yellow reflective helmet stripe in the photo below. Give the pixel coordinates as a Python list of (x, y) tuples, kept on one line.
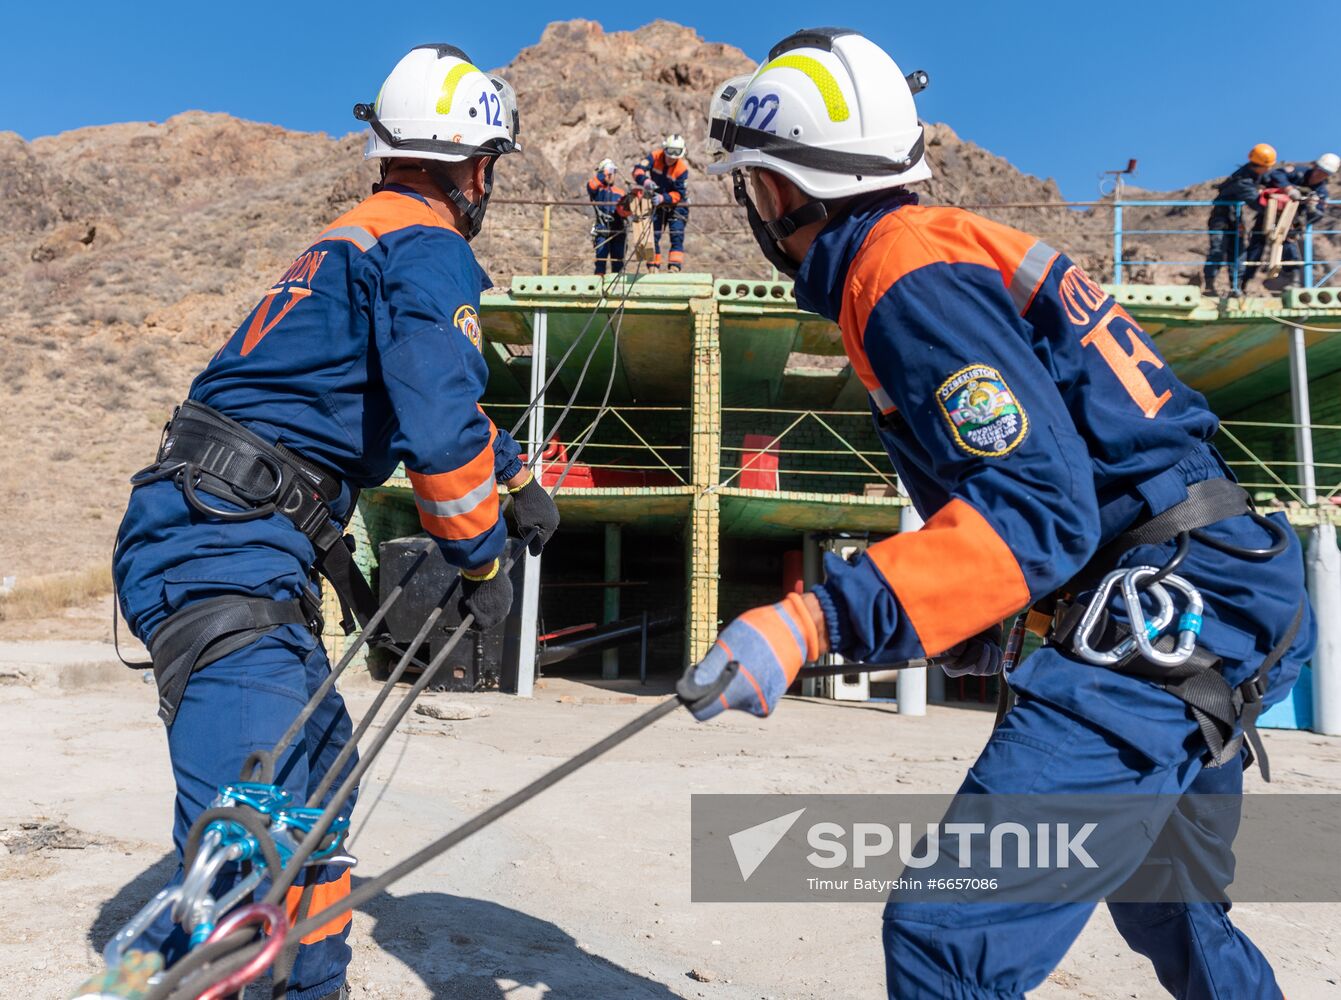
[(449, 84), (823, 80)]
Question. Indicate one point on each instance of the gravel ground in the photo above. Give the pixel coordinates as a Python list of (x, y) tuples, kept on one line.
[(582, 893)]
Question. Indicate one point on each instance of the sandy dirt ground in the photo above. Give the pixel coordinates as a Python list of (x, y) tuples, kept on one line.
[(582, 893)]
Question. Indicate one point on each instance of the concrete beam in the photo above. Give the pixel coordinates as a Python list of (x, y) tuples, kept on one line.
[(705, 430)]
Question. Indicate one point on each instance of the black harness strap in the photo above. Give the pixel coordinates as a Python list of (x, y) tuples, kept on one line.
[(209, 630), (204, 450), (1254, 690), (1207, 502)]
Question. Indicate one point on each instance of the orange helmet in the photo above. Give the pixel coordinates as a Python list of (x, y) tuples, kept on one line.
[(1263, 155)]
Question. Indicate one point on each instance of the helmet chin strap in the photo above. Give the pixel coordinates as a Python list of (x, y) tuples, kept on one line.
[(769, 234), (472, 212)]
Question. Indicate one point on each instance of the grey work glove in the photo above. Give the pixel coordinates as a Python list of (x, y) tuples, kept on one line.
[(488, 597), (533, 507), (979, 656)]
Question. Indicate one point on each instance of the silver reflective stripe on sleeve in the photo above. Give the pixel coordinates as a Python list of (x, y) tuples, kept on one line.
[(1030, 273), (882, 400), (463, 505), (356, 235)]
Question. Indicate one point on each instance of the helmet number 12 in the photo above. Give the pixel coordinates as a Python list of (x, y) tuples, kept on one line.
[(767, 105), (493, 108)]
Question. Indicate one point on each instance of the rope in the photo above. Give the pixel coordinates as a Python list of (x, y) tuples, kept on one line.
[(1301, 326)]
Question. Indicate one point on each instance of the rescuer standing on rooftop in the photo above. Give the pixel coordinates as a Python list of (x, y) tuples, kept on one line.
[(1308, 186), (364, 353), (1228, 238), (664, 175), (1036, 428), (608, 234)]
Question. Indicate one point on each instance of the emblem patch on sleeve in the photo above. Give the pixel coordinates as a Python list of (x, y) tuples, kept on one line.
[(467, 320), (982, 412)]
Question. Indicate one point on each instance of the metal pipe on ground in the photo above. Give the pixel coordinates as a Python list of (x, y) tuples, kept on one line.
[(605, 637)]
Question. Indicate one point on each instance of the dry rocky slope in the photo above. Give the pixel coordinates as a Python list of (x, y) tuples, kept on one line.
[(133, 250)]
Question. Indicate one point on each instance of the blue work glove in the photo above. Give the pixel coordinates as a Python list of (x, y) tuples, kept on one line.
[(771, 644), (979, 656)]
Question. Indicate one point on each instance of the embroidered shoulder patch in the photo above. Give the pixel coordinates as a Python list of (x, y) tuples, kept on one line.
[(983, 413), (467, 320)]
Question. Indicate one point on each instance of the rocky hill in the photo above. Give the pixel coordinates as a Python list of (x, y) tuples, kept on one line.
[(134, 249)]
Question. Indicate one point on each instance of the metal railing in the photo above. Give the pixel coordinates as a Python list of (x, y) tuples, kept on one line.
[(1241, 267), (1261, 454), (653, 441), (857, 456), (1277, 479), (626, 446), (557, 235)]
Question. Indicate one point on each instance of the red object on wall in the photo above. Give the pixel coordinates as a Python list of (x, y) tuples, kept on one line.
[(582, 476), (793, 572), (759, 460)]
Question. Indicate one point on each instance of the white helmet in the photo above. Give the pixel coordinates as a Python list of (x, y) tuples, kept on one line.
[(829, 110), (436, 105), (673, 146), (1328, 163), (607, 166)]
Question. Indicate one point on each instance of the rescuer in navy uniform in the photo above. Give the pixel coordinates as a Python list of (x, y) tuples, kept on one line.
[(608, 201), (1047, 445), (1227, 243), (1308, 186), (664, 177), (363, 354)]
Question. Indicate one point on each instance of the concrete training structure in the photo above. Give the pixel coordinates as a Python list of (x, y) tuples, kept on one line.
[(679, 484)]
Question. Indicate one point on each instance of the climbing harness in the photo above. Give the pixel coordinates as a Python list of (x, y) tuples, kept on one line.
[(209, 630), (204, 450), (1077, 619), (255, 822)]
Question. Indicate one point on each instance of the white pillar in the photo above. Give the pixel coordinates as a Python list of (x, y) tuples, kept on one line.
[(911, 688), (1322, 559), (535, 444), (1324, 585)]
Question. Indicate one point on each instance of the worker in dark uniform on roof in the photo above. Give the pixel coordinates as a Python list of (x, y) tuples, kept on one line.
[(664, 175), (611, 211), (1035, 427), (363, 354), (1308, 186), (1228, 224)]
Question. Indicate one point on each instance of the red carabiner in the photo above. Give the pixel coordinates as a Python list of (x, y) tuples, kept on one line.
[(274, 923)]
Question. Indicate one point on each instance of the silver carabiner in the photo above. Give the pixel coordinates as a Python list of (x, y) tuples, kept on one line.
[(1163, 616), (207, 912), (200, 877), (1189, 624), (138, 924)]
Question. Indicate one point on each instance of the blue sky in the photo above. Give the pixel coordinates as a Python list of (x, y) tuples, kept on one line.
[(1061, 90)]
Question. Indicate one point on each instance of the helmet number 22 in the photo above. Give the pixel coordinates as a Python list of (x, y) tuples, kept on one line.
[(493, 108), (767, 105)]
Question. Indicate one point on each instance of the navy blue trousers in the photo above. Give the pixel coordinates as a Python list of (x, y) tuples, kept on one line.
[(244, 702), (958, 951)]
